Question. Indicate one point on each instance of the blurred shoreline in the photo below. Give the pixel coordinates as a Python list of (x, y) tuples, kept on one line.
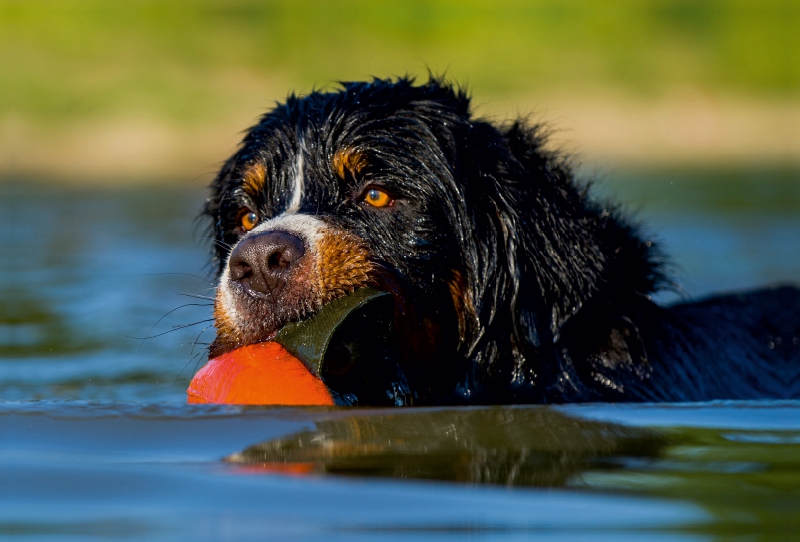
[(129, 92), (685, 130)]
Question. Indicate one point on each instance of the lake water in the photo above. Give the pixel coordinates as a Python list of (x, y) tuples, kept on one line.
[(96, 441)]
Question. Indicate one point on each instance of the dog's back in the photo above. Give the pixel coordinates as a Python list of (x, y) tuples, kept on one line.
[(737, 346)]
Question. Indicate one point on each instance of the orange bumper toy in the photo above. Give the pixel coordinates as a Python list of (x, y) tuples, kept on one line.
[(258, 374), (289, 370)]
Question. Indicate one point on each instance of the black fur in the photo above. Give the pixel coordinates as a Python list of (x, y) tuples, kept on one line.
[(556, 287)]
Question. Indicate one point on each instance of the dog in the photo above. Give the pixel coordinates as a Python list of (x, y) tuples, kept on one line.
[(511, 285)]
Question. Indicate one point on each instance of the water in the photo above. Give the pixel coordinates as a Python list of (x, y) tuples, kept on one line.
[(98, 443), (604, 472)]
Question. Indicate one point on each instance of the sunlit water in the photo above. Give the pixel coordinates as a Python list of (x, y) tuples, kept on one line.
[(96, 440)]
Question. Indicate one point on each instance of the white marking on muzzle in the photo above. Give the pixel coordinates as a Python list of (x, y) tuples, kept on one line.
[(308, 228)]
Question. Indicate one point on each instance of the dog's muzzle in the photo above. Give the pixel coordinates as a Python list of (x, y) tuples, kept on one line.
[(282, 271), (265, 262)]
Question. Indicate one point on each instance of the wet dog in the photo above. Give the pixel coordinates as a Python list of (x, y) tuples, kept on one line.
[(510, 284)]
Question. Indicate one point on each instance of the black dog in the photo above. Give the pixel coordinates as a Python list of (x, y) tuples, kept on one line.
[(510, 285)]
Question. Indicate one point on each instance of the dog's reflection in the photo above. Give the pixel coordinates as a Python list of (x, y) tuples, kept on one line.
[(527, 446)]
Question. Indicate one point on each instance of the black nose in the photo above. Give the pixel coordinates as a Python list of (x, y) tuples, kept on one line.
[(264, 261)]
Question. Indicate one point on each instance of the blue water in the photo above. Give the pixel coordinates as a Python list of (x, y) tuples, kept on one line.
[(96, 441), (88, 470)]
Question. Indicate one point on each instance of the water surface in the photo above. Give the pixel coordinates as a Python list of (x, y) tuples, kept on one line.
[(97, 441), (602, 472)]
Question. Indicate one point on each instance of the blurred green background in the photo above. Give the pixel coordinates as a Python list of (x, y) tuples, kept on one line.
[(98, 91)]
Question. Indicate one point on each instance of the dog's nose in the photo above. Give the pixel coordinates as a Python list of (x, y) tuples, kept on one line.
[(264, 261)]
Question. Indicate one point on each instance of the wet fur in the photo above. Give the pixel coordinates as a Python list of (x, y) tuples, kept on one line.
[(512, 285)]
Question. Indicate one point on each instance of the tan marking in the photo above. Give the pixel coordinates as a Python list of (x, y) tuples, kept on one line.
[(254, 178), (349, 160), (228, 335), (342, 266), (462, 303)]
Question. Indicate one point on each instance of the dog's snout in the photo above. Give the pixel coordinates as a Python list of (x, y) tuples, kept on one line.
[(264, 261)]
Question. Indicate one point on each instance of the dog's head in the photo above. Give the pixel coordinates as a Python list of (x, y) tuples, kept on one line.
[(479, 234)]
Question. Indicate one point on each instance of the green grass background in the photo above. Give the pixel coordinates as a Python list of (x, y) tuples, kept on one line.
[(195, 64)]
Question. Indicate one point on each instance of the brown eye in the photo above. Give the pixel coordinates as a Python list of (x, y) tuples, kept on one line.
[(377, 197), (247, 219)]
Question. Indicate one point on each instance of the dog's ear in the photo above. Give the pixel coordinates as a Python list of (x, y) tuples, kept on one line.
[(503, 311), (560, 248), (542, 252)]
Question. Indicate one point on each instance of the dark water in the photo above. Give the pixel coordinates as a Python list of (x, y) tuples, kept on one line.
[(97, 443)]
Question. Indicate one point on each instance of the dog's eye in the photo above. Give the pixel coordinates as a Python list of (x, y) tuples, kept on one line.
[(247, 219), (377, 197)]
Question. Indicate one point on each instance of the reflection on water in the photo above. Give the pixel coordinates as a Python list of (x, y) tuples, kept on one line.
[(707, 471), (749, 479), (508, 446)]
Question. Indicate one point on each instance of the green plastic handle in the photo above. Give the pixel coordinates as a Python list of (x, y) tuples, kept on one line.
[(337, 327)]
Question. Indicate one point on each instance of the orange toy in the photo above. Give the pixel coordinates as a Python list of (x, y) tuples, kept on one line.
[(258, 374)]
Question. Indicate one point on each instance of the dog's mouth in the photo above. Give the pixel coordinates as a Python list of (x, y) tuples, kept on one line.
[(348, 344), (284, 274), (317, 298)]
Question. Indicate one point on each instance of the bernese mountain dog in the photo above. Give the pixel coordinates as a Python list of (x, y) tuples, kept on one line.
[(510, 284)]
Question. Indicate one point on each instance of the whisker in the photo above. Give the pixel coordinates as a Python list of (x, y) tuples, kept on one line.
[(206, 272), (209, 288), (197, 363), (198, 296), (170, 312), (195, 343), (176, 328), (218, 242), (186, 365)]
